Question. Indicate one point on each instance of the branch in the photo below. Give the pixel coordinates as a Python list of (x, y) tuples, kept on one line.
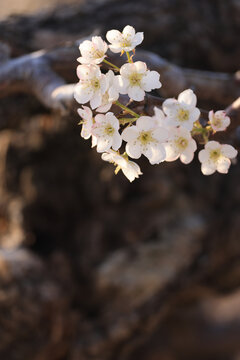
[(42, 73)]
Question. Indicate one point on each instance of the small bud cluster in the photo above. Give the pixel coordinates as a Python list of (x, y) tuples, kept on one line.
[(166, 136)]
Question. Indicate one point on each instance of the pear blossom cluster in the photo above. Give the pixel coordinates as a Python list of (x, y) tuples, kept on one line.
[(168, 135)]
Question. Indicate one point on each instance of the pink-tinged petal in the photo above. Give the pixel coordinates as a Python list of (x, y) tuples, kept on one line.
[(133, 150), (85, 112), (130, 133), (117, 141), (114, 36), (223, 165), (99, 118), (188, 97), (228, 151), (207, 169), (151, 81), (136, 93), (128, 32), (138, 39), (187, 156), (144, 123)]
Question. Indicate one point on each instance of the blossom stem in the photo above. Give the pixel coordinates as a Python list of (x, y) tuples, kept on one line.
[(111, 64), (129, 57), (127, 109), (124, 121)]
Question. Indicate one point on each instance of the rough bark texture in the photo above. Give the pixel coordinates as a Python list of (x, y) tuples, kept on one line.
[(92, 267)]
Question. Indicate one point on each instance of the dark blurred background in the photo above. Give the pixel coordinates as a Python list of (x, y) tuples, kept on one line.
[(91, 266)]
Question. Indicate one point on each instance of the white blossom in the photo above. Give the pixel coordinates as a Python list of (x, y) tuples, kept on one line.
[(216, 157), (93, 52), (135, 79), (125, 41), (183, 111), (111, 94), (219, 121), (87, 124), (129, 168), (180, 144), (105, 129), (92, 85), (145, 138), (160, 118)]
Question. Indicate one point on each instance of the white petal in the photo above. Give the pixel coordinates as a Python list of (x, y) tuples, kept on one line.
[(115, 48), (155, 153), (138, 38), (96, 100), (187, 156), (223, 165), (128, 32), (136, 93), (130, 133), (127, 69), (171, 152), (170, 107), (188, 97), (207, 169), (114, 36), (151, 81), (144, 123), (211, 145), (82, 94), (194, 114), (160, 134), (104, 108), (203, 156), (103, 144), (228, 151), (117, 141), (133, 150), (140, 67), (112, 120)]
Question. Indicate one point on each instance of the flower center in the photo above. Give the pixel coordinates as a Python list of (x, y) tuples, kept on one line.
[(183, 115), (215, 154), (109, 130), (145, 137), (216, 122), (126, 41), (181, 143), (95, 84), (135, 79)]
